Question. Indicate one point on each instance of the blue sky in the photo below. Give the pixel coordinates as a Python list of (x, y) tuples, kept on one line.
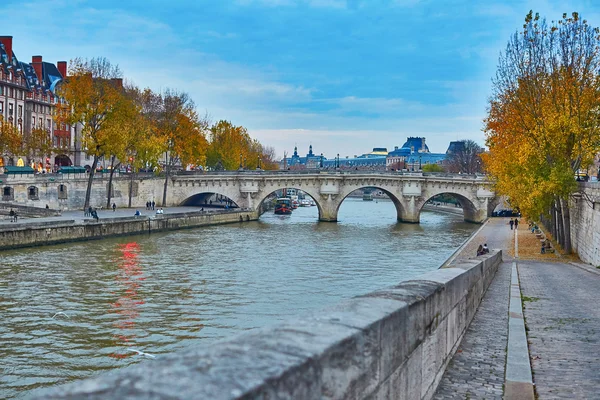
[(344, 75)]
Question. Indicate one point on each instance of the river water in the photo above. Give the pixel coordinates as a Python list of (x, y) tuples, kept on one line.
[(165, 292)]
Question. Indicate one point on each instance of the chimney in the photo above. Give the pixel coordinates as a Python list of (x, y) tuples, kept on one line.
[(395, 147), (7, 42), (36, 63), (62, 68), (118, 82)]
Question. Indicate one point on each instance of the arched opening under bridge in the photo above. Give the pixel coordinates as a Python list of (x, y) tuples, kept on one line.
[(372, 195), (304, 203), (452, 203), (209, 200)]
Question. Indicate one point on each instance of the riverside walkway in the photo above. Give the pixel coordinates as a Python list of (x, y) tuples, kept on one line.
[(561, 319)]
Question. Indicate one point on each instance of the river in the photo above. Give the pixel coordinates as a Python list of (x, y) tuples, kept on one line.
[(165, 292)]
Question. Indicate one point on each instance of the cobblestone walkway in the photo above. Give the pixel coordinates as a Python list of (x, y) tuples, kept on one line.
[(496, 233), (477, 369), (562, 315)]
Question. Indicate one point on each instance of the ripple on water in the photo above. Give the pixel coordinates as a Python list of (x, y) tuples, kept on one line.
[(166, 292)]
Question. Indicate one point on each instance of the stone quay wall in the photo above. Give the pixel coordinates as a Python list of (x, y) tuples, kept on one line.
[(30, 234), (585, 223), (393, 343)]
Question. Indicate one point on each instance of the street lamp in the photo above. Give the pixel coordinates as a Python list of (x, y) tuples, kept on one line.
[(321, 164), (419, 163), (241, 158), (258, 162), (337, 163), (412, 162)]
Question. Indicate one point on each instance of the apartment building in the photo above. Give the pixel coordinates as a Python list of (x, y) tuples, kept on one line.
[(28, 100)]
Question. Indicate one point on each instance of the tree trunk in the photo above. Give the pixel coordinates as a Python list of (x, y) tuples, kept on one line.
[(110, 179), (88, 191), (566, 217), (131, 185), (559, 224), (167, 170)]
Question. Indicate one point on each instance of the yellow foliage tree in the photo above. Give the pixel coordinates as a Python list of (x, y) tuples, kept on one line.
[(11, 140), (177, 121), (543, 120), (92, 94)]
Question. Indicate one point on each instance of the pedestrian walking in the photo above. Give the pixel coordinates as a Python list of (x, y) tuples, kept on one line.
[(114, 207), (153, 204), (516, 223), (12, 215), (511, 223)]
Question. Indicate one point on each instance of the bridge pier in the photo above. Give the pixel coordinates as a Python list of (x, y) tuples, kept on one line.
[(412, 211), (328, 208)]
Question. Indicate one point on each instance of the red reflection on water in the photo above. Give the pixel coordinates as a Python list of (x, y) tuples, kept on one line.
[(128, 282)]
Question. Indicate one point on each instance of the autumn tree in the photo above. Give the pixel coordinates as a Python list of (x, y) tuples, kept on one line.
[(231, 147), (93, 95), (542, 124), (37, 144), (11, 140), (183, 130), (464, 158)]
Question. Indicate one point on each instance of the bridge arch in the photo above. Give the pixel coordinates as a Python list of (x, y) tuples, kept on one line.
[(267, 194), (471, 213), (400, 209), (210, 199)]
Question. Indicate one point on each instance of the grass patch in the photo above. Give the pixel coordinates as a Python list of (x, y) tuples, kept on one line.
[(525, 299)]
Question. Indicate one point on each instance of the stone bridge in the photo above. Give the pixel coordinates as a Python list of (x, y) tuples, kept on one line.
[(408, 191), (249, 189)]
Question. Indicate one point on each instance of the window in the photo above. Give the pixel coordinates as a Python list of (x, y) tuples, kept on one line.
[(10, 109), (32, 193), (1, 106), (20, 111), (41, 124), (62, 192), (7, 193), (48, 124)]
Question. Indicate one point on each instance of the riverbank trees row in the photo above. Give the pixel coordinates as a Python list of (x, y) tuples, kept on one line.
[(144, 129), (543, 122)]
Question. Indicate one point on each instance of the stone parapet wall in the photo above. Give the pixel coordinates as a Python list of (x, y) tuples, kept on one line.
[(393, 343), (585, 223), (30, 234)]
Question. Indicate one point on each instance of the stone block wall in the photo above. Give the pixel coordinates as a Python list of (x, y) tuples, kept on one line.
[(393, 343), (585, 223), (29, 234)]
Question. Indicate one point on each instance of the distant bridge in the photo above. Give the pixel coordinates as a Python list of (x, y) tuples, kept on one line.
[(409, 191)]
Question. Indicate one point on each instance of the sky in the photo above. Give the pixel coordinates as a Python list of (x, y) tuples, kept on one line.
[(343, 75)]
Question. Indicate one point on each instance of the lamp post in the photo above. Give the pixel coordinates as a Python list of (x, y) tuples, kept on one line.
[(241, 159), (412, 164), (321, 164), (337, 163), (420, 163), (258, 162)]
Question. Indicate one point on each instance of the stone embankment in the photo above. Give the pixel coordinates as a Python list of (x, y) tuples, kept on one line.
[(585, 223), (34, 233), (392, 343)]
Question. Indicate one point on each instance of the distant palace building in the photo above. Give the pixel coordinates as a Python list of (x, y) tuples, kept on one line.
[(28, 99), (411, 156)]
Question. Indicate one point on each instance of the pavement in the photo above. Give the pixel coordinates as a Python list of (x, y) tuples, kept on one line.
[(78, 216), (561, 320)]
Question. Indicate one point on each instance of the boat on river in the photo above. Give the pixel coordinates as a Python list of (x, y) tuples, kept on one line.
[(283, 206)]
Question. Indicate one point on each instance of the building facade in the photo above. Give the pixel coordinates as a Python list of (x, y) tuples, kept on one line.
[(28, 101)]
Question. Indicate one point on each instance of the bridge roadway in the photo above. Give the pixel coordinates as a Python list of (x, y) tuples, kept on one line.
[(409, 191)]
